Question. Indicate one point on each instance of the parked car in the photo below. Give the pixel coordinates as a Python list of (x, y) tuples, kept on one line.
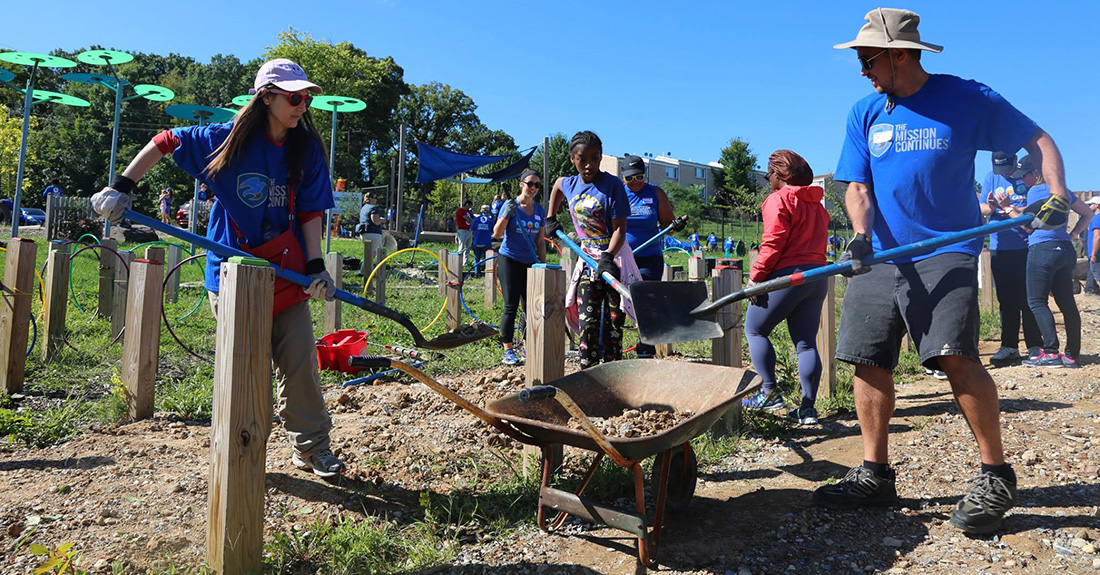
[(32, 217), (183, 215)]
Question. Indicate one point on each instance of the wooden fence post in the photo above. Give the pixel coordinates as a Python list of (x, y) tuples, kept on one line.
[(334, 263), (726, 350), (368, 262), (141, 345), (118, 296), (443, 272), (985, 282), (15, 313), (108, 263), (545, 341), (380, 279), (697, 269), (826, 339), (57, 299), (678, 273), (665, 349), (490, 280), (241, 420), (454, 283), (175, 256)]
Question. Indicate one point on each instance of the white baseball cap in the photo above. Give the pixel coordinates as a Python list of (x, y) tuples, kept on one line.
[(285, 75)]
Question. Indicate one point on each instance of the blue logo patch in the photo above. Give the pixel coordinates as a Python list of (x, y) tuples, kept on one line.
[(879, 139), (252, 189)]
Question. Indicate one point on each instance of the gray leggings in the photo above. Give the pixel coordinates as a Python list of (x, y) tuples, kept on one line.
[(801, 307)]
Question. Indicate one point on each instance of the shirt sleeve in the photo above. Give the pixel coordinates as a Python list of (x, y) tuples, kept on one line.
[(1006, 129), (987, 187), (855, 158), (619, 205), (315, 190), (196, 144)]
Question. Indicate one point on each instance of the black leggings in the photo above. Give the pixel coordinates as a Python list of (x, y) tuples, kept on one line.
[(513, 284), (1050, 273), (1010, 279)]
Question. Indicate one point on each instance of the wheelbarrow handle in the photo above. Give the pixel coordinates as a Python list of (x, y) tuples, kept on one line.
[(915, 248), (616, 284), (283, 273)]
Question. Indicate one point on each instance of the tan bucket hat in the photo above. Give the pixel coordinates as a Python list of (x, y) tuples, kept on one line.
[(890, 28)]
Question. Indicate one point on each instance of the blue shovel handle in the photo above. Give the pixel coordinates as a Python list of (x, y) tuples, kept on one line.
[(616, 284)]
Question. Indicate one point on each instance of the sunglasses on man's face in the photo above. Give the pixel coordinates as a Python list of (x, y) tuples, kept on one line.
[(637, 178), (866, 62), (295, 99)]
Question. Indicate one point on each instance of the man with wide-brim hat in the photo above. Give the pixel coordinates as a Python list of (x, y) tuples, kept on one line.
[(908, 158)]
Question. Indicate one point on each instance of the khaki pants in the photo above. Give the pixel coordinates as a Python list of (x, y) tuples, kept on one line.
[(297, 383)]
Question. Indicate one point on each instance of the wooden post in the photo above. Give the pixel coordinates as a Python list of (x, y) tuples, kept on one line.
[(490, 281), (57, 299), (108, 263), (51, 215), (443, 272), (141, 345), (697, 269), (368, 262), (380, 280), (678, 273), (241, 420), (454, 283), (175, 256), (118, 297), (155, 255), (665, 349), (545, 341), (826, 339), (985, 283), (726, 350), (568, 262), (15, 313), (334, 263)]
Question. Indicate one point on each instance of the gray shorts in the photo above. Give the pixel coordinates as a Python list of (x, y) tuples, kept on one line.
[(935, 300)]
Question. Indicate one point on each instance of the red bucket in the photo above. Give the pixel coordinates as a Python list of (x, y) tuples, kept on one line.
[(334, 350)]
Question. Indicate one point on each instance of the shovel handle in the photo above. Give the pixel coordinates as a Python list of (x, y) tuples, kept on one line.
[(661, 233), (616, 284), (913, 249), (283, 273)]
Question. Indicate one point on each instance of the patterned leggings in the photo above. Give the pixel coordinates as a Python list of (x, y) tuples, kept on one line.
[(594, 294)]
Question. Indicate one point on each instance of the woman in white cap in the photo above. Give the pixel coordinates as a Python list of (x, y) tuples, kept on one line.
[(269, 177)]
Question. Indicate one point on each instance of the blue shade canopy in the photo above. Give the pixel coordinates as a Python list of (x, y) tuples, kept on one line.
[(439, 164), (242, 100), (95, 79), (154, 93), (45, 96), (6, 76), (338, 104), (194, 113), (32, 58), (510, 171), (104, 57)]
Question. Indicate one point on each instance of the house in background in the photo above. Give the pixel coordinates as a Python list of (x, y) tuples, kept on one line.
[(662, 169)]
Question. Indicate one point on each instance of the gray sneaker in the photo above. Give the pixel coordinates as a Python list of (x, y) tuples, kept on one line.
[(859, 488), (983, 507), (1005, 357), (323, 463)]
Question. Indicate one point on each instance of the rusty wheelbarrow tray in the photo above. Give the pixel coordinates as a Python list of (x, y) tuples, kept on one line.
[(607, 390)]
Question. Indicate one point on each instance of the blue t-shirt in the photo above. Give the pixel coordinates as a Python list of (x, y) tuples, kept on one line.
[(712, 240), (694, 238), (52, 189), (1094, 224), (483, 230), (522, 233), (593, 206), (918, 159), (1040, 193), (728, 244), (643, 222), (252, 190), (494, 208), (367, 221), (1016, 238)]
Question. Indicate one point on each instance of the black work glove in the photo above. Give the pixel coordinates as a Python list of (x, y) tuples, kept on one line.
[(507, 210), (679, 224), (552, 228), (858, 248), (607, 264)]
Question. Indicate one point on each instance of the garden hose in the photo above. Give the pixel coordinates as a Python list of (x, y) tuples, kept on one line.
[(442, 308)]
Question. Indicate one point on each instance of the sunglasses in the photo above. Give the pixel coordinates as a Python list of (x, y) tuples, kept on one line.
[(295, 99), (866, 62), (637, 178), (534, 184)]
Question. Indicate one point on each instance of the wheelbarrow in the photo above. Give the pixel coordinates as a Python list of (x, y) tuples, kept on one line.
[(607, 390)]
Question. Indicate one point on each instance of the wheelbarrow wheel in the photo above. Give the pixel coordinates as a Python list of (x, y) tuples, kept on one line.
[(681, 481)]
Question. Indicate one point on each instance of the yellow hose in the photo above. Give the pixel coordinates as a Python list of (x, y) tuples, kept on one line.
[(442, 308)]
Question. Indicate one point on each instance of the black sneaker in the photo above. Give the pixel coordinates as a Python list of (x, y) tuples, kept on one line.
[(983, 507), (859, 488)]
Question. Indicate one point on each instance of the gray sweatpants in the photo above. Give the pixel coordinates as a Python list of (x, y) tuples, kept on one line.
[(297, 382)]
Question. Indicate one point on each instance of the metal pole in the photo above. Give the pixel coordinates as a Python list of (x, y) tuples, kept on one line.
[(400, 173), (332, 176), (114, 139), (389, 196), (16, 212)]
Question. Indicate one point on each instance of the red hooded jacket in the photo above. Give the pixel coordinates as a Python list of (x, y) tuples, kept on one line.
[(796, 229)]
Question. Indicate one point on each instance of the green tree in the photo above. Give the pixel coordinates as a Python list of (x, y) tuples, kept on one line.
[(11, 131), (686, 201), (736, 181)]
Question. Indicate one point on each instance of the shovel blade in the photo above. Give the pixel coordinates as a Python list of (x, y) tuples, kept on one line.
[(663, 311), (464, 335)]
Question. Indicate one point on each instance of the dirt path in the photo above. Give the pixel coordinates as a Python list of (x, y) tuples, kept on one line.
[(137, 493)]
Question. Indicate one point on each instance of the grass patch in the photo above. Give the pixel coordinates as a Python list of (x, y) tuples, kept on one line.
[(190, 398), (43, 428)]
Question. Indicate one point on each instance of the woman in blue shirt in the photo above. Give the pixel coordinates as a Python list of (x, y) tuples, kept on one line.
[(650, 212), (1050, 262), (521, 223)]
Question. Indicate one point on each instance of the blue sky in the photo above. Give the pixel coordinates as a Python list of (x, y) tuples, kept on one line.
[(653, 77)]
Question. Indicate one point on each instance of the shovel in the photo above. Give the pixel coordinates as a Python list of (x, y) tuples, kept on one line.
[(661, 233), (465, 334)]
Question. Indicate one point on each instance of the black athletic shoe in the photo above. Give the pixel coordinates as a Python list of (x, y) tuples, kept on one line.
[(859, 488), (983, 507)]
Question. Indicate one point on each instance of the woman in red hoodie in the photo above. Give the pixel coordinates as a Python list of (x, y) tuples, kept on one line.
[(795, 235)]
